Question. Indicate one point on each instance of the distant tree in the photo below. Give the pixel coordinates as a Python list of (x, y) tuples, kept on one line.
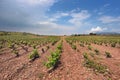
[(92, 33), (3, 33), (24, 33)]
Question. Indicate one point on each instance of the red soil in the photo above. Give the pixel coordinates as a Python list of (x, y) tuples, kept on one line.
[(70, 68), (112, 63)]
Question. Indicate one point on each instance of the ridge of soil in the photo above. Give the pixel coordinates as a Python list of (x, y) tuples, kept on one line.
[(70, 67)]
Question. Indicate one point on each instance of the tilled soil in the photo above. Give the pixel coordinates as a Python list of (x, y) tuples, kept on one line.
[(112, 63), (10, 68), (70, 65), (35, 70)]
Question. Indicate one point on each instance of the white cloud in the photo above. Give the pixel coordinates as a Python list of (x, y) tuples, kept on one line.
[(97, 29), (38, 6), (100, 13), (38, 2), (36, 19), (78, 18), (54, 28), (106, 5), (109, 19), (103, 9), (54, 25), (58, 15), (81, 15)]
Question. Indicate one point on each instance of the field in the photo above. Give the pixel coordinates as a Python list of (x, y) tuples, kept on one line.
[(26, 56)]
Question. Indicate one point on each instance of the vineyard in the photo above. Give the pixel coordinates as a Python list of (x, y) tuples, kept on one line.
[(26, 56)]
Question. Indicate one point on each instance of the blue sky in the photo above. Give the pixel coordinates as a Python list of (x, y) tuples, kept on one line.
[(60, 16)]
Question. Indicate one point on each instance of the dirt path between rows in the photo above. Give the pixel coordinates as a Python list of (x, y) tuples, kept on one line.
[(12, 67), (8, 55), (35, 70), (71, 67), (112, 63)]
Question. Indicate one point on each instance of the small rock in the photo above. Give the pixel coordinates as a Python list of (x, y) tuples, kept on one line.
[(5, 76)]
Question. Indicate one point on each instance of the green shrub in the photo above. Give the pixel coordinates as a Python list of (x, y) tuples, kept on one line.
[(113, 44), (52, 60), (11, 46), (74, 47), (109, 79), (48, 47), (33, 55), (34, 46), (1, 46), (81, 44), (85, 55), (90, 47), (16, 53), (96, 51), (53, 43), (100, 43), (94, 65), (43, 51), (59, 46), (106, 45), (54, 57), (92, 54), (108, 55)]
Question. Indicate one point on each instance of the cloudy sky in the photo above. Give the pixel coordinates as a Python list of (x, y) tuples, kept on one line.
[(60, 16)]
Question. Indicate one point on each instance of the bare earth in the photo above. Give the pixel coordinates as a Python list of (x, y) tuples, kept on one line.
[(70, 68)]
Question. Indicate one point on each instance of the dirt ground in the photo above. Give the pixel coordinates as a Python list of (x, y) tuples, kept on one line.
[(112, 63), (70, 67)]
